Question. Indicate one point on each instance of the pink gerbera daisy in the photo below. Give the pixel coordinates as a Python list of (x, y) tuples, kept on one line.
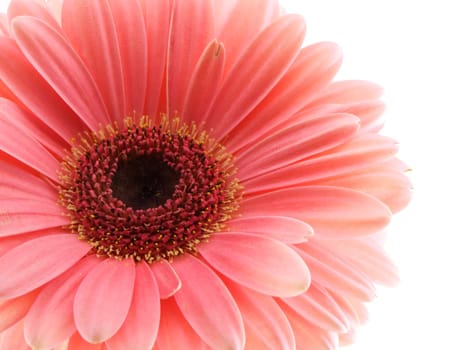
[(183, 174)]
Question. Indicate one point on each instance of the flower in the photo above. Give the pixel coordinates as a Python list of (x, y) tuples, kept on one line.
[(173, 177)]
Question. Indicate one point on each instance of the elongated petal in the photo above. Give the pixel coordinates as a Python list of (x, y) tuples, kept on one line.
[(3, 25), (49, 322), (348, 91), (331, 211), (320, 309), (191, 29), (131, 34), (60, 66), (205, 82), (103, 299), (20, 215), (9, 242), (35, 93), (313, 68), (295, 143), (31, 152), (336, 274), (15, 309), (78, 343), (222, 326), (256, 73), (90, 28), (157, 19), (167, 279), (266, 325), (38, 261), (139, 331), (175, 332), (13, 338), (31, 8), (281, 228), (262, 264)]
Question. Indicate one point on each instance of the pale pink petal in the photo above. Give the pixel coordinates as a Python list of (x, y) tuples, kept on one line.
[(174, 330), (360, 309), (296, 142), (90, 28), (202, 290), (35, 93), (262, 264), (140, 329), (3, 25), (9, 242), (314, 67), (13, 338), (55, 8), (31, 152), (31, 8), (346, 307), (36, 262), (157, 19), (205, 82), (18, 182), (14, 310), (49, 322), (333, 212), (256, 73), (320, 309), (237, 34), (131, 34), (192, 28), (336, 274), (308, 336), (348, 91), (167, 280), (19, 215), (281, 228), (266, 325), (347, 338), (103, 299), (368, 257), (78, 343), (57, 62), (360, 153)]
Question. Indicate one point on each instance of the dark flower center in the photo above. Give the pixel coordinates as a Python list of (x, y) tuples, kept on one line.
[(148, 192), (144, 182)]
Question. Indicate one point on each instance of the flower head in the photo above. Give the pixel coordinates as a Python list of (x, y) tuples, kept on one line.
[(174, 178)]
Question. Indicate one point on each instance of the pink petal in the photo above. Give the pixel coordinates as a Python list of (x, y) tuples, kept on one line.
[(90, 27), (192, 27), (262, 264), (348, 91), (296, 142), (131, 34), (3, 25), (18, 182), (174, 330), (20, 215), (266, 325), (9, 242), (52, 255), (238, 35), (320, 309), (78, 343), (60, 66), (205, 82), (103, 299), (49, 322), (368, 257), (14, 310), (281, 228), (39, 97), (333, 212), (140, 329), (157, 19), (13, 338), (207, 305), (31, 152), (336, 274), (256, 73), (167, 279), (313, 68), (357, 154), (31, 8)]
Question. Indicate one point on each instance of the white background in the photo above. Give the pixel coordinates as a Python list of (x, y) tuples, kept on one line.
[(418, 51)]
